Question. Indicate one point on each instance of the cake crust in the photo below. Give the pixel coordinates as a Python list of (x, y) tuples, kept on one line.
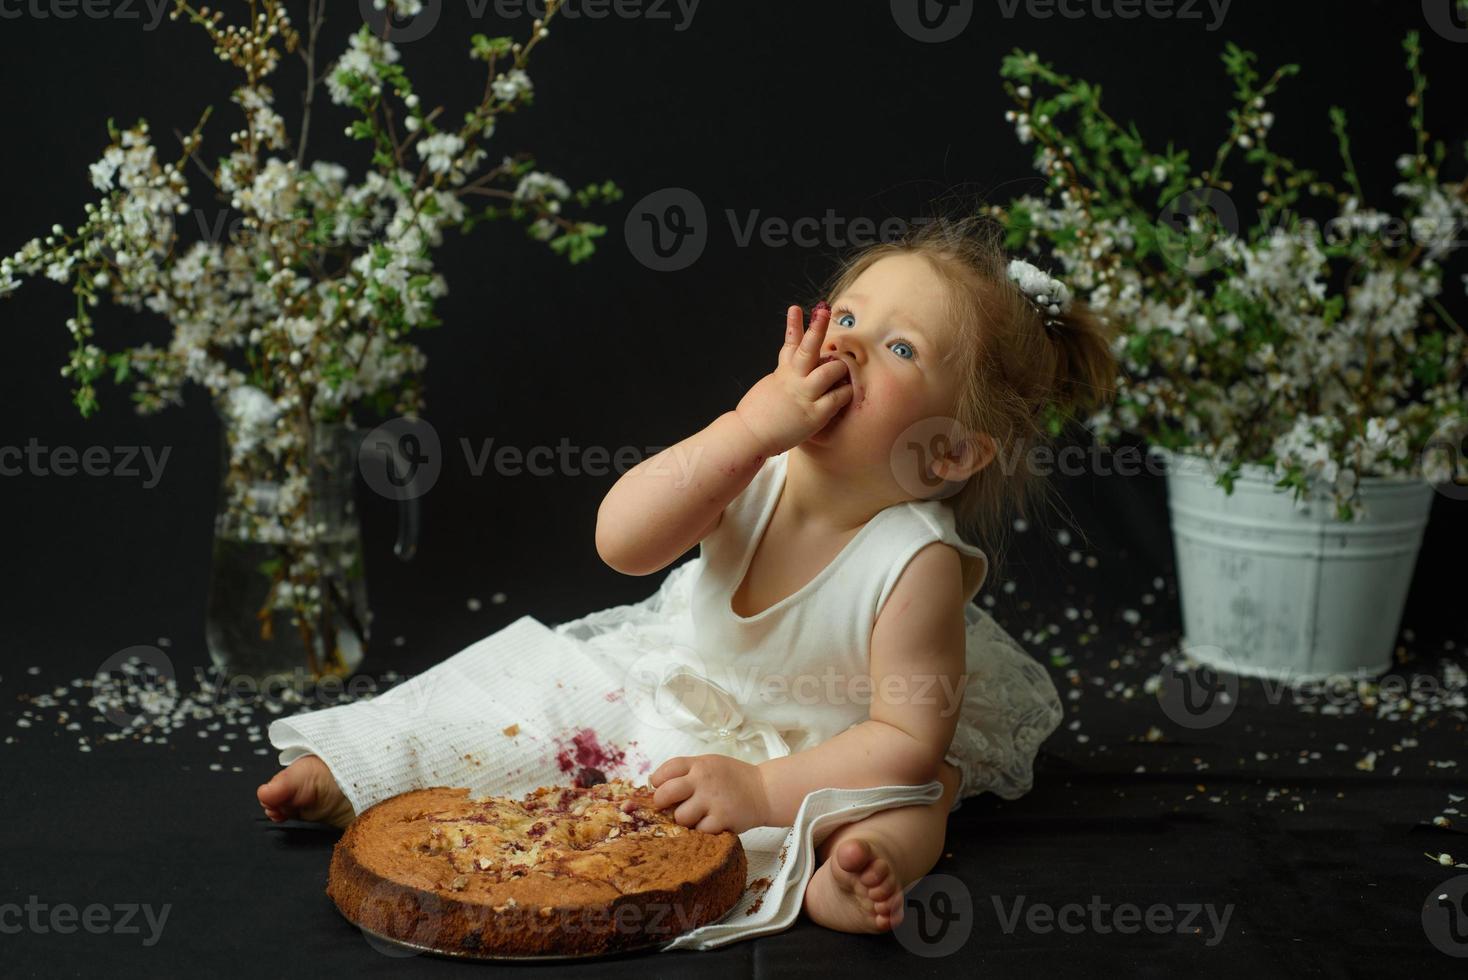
[(565, 871)]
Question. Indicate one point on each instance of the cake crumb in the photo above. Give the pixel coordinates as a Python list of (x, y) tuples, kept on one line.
[(512, 730)]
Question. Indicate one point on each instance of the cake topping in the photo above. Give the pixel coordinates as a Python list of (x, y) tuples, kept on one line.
[(500, 838)]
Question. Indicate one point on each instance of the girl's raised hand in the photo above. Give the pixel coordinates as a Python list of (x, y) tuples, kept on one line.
[(794, 401)]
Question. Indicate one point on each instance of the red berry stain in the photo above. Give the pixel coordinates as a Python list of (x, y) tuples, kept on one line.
[(614, 695), (586, 752), (588, 776)]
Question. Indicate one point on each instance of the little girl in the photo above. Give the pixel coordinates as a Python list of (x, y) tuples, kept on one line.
[(833, 589)]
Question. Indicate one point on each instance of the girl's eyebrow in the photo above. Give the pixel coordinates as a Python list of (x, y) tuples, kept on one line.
[(907, 321)]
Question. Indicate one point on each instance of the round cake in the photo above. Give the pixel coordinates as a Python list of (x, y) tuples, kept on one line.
[(567, 871)]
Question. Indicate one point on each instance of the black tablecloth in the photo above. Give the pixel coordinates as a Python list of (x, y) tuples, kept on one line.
[(1308, 851)]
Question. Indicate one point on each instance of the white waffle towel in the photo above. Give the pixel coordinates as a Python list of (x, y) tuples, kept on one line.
[(524, 707)]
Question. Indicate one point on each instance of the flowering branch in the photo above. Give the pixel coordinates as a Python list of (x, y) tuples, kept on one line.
[(304, 309), (1324, 354)]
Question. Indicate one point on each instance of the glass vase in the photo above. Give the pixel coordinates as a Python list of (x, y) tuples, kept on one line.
[(288, 584)]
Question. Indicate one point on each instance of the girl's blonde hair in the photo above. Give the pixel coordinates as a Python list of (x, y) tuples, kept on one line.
[(1016, 372)]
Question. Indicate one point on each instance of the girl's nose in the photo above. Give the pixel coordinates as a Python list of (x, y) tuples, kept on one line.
[(844, 346)]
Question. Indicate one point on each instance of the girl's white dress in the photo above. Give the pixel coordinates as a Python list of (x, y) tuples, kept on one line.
[(680, 673), (796, 674)]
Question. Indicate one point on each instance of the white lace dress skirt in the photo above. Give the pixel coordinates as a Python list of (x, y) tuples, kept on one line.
[(1010, 704)]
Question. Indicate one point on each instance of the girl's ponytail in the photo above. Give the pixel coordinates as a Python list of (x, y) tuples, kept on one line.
[(1085, 367)]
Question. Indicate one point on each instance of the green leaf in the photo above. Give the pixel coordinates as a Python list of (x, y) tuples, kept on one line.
[(120, 367), (484, 48)]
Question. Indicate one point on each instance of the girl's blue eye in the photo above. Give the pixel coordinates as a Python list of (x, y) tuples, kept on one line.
[(848, 315)]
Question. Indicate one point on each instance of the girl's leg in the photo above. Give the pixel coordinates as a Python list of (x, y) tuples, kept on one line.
[(865, 865)]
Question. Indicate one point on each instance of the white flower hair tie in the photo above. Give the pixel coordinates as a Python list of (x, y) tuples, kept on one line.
[(1044, 290)]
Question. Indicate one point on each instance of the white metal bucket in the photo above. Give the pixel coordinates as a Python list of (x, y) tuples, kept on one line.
[(1269, 590)]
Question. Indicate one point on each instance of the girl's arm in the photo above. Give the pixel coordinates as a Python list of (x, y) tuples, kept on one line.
[(916, 673), (669, 502), (665, 505)]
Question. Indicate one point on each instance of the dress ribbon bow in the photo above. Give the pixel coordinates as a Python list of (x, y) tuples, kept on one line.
[(693, 703)]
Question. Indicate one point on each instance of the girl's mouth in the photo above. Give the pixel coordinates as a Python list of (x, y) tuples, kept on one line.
[(844, 380)]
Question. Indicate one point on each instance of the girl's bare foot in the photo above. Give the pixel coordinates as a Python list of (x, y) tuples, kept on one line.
[(856, 889), (305, 790)]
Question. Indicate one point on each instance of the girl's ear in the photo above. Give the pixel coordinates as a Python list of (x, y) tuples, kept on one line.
[(968, 456)]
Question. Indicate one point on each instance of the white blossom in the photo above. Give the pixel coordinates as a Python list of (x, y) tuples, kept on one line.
[(440, 150), (511, 85), (364, 48), (537, 184)]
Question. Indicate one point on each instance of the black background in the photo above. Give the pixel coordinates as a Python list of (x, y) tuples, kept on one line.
[(788, 110)]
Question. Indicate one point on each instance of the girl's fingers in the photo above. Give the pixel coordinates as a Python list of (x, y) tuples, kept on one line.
[(823, 376), (810, 345), (675, 790), (794, 326), (836, 398), (676, 766), (690, 813)]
